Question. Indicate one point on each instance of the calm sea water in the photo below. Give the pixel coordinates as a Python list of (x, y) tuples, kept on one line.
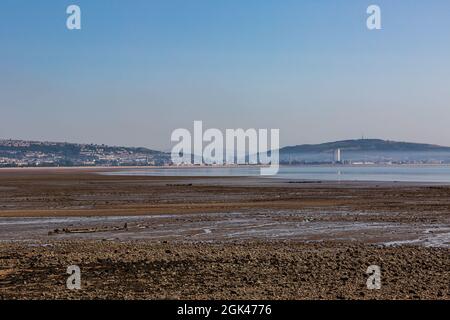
[(439, 174)]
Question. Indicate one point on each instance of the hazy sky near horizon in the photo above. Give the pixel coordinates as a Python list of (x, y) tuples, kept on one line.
[(137, 70)]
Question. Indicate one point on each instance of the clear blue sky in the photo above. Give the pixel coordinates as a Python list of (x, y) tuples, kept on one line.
[(139, 69)]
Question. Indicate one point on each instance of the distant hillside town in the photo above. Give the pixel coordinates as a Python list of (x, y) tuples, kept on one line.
[(20, 153)]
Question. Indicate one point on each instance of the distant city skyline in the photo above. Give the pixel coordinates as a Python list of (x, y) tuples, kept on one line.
[(137, 70)]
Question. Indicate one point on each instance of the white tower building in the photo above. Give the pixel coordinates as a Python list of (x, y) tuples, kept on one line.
[(337, 155)]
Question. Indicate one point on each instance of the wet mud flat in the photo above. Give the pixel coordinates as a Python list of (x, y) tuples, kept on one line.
[(261, 225)]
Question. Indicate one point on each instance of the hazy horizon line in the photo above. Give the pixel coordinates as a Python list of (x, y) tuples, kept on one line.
[(168, 150)]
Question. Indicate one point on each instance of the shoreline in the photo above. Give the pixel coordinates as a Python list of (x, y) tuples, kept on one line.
[(117, 172)]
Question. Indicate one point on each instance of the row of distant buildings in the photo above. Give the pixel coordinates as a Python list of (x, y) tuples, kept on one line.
[(36, 159), (19, 153)]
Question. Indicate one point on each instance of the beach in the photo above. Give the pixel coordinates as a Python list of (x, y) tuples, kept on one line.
[(219, 237)]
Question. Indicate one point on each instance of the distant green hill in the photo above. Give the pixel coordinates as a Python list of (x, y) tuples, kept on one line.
[(364, 145)]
